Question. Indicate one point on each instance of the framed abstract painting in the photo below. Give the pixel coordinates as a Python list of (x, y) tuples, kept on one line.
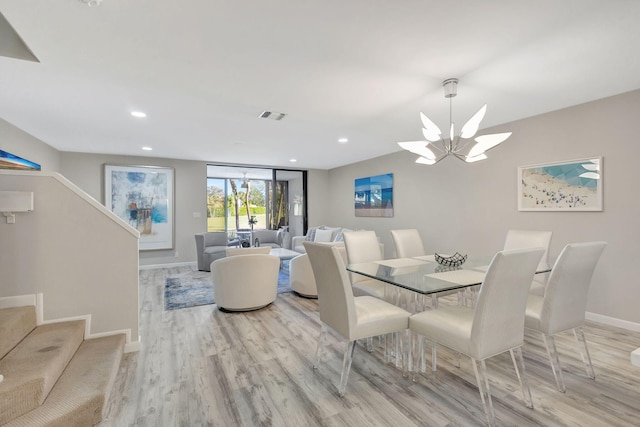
[(573, 185), (374, 196), (143, 197)]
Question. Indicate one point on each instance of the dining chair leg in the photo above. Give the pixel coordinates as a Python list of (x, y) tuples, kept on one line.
[(521, 373), (554, 360), (408, 353), (578, 333), (434, 356), (434, 301), (346, 366), (422, 362), (398, 349), (370, 344), (485, 391), (324, 331)]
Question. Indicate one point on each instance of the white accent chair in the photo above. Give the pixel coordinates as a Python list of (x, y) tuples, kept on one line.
[(564, 302), (245, 281), (265, 250), (494, 326), (352, 317), (363, 246), (525, 239)]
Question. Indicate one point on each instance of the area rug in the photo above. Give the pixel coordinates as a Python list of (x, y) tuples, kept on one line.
[(195, 288)]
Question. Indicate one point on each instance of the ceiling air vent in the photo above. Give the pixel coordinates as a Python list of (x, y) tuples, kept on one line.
[(271, 115)]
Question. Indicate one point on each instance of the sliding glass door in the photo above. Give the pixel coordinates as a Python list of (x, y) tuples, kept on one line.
[(241, 198)]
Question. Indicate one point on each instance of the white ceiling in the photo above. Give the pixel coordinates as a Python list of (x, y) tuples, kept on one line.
[(362, 69)]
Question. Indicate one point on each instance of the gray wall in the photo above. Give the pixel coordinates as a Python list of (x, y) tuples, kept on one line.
[(80, 256), (87, 171), (469, 207)]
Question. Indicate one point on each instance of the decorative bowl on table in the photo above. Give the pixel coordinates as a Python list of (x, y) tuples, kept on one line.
[(454, 260)]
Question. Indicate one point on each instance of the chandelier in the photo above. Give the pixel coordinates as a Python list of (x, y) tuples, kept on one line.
[(436, 147)]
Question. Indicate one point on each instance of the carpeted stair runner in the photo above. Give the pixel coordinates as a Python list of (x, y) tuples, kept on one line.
[(52, 377), (15, 324), (79, 397)]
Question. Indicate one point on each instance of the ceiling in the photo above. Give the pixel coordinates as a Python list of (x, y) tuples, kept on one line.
[(360, 69)]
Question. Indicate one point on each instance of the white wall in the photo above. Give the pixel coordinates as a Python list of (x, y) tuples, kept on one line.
[(469, 207), (20, 143)]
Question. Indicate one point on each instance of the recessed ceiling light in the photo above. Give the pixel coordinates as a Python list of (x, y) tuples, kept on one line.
[(147, 148), (293, 160), (138, 114), (343, 140)]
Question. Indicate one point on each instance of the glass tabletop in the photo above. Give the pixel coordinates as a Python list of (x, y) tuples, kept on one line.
[(424, 275)]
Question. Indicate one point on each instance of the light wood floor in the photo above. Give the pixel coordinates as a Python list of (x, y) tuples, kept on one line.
[(202, 367)]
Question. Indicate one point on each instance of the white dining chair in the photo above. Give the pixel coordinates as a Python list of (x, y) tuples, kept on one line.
[(408, 243), (494, 326), (563, 304), (524, 239), (352, 317), (363, 246)]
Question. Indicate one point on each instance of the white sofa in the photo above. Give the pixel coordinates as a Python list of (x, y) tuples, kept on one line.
[(321, 234)]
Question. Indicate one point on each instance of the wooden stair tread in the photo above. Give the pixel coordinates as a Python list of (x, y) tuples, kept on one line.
[(32, 368), (15, 324), (79, 396)]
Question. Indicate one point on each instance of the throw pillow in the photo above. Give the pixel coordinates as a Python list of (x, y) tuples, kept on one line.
[(311, 234), (334, 232), (339, 237), (323, 236)]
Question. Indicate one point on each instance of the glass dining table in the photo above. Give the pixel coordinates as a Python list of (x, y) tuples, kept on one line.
[(424, 275)]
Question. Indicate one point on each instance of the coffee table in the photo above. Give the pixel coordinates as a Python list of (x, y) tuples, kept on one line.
[(284, 254)]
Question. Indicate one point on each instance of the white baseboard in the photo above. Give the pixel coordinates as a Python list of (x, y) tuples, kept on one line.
[(612, 321), (175, 264), (18, 301)]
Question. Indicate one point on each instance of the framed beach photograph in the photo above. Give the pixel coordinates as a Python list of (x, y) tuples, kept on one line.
[(573, 185), (143, 197), (374, 196)]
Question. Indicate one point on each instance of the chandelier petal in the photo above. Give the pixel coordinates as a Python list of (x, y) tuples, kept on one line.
[(487, 142), (425, 161), (431, 131), (471, 127), (475, 158), (419, 148)]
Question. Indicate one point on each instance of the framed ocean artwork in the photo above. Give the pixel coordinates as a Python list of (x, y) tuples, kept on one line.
[(143, 197), (573, 185), (11, 161), (374, 196)]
